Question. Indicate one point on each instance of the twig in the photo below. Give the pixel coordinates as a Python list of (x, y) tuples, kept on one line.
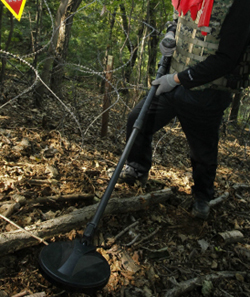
[(175, 227), (21, 294), (132, 241), (40, 294), (37, 182), (238, 196), (6, 139), (225, 293), (147, 237), (125, 230), (32, 235), (188, 213), (17, 70)]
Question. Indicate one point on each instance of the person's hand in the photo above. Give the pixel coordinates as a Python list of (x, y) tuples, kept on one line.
[(166, 83), (168, 44)]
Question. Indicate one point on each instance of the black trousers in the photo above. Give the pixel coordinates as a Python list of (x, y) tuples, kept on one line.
[(200, 114)]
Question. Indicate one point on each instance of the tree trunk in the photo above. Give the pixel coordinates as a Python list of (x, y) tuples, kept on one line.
[(140, 60), (62, 46), (235, 108), (6, 47), (109, 47), (37, 34), (153, 41), (45, 75), (106, 99), (133, 48)]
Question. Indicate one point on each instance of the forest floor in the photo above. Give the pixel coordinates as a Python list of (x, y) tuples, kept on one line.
[(178, 255)]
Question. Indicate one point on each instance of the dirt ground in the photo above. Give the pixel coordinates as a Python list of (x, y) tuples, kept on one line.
[(165, 252)]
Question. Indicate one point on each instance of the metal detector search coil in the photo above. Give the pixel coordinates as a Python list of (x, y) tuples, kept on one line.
[(74, 266)]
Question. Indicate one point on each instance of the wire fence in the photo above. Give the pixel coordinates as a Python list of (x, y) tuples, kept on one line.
[(91, 72)]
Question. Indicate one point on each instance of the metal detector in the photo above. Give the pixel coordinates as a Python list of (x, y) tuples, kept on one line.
[(76, 265)]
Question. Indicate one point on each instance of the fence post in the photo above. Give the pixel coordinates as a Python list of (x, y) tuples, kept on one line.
[(106, 99)]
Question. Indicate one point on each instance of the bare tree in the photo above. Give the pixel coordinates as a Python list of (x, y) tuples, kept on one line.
[(235, 108), (153, 40), (109, 46), (45, 75), (62, 45), (7, 42), (133, 48)]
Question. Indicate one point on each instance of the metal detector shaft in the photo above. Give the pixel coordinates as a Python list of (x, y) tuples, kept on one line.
[(89, 231)]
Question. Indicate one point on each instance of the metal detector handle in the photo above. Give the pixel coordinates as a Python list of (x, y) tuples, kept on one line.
[(164, 65)]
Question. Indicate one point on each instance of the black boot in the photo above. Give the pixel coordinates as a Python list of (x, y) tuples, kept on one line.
[(201, 209), (130, 176)]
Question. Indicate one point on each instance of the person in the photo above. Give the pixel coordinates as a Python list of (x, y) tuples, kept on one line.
[(210, 63)]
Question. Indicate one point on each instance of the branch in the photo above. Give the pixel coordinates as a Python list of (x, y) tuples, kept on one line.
[(219, 199), (22, 229), (16, 240), (187, 286)]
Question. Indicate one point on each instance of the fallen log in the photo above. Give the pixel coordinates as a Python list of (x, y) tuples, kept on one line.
[(56, 198), (62, 198), (18, 239), (8, 207)]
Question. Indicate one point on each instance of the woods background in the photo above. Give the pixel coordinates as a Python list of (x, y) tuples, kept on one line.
[(67, 44), (71, 71)]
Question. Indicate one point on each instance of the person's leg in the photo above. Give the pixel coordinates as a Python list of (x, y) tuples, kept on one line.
[(203, 142), (200, 114), (160, 112)]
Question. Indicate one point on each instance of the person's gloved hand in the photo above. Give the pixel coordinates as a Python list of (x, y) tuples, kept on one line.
[(166, 83), (168, 44)]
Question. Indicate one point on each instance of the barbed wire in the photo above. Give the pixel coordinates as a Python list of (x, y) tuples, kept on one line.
[(52, 36), (38, 78), (79, 67), (87, 69)]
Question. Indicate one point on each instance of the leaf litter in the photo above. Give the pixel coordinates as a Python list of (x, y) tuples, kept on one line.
[(163, 248)]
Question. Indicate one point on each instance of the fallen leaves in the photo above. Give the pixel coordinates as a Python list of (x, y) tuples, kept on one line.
[(152, 252)]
